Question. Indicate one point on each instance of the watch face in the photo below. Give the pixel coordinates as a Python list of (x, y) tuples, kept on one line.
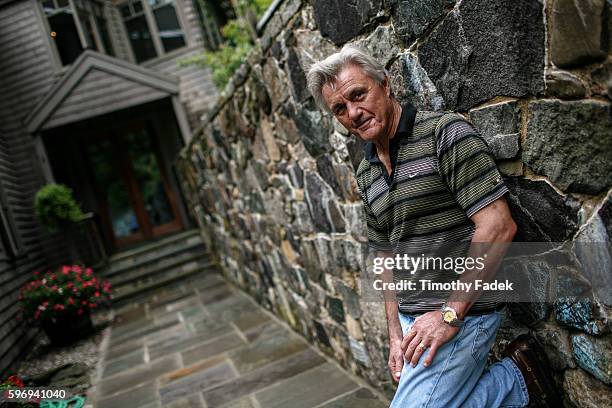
[(448, 316)]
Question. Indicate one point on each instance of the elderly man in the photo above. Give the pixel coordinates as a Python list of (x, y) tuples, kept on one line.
[(427, 178)]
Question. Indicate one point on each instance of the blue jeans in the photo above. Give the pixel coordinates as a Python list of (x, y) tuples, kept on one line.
[(457, 376)]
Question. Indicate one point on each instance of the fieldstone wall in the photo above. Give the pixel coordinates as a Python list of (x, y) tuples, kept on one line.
[(269, 177)]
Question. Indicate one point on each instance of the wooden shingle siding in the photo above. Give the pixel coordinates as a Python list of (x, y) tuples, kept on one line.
[(197, 91), (27, 72)]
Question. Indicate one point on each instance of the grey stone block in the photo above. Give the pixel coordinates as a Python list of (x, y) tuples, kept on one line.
[(570, 142)]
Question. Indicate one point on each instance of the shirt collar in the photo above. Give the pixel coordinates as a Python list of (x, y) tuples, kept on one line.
[(404, 128)]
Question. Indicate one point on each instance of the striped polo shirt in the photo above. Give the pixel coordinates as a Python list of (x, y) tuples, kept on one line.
[(443, 173)]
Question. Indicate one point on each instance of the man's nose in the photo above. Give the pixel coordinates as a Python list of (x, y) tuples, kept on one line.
[(354, 112)]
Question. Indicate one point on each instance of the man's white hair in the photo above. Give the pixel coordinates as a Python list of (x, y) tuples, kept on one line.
[(327, 71)]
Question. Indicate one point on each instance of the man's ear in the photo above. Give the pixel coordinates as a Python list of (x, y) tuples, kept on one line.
[(386, 84)]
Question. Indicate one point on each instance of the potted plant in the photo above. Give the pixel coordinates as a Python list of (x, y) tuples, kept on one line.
[(55, 206), (61, 301)]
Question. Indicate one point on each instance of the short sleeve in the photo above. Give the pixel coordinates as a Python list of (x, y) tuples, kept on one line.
[(467, 165)]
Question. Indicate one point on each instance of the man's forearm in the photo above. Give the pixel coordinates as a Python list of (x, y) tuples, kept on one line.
[(486, 241), (391, 308)]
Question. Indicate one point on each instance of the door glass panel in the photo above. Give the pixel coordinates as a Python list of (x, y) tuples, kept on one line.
[(110, 183), (148, 177)]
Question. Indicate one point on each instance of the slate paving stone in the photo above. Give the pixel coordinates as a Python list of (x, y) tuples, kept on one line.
[(194, 368), (185, 340), (262, 377), (136, 397), (209, 281), (167, 297), (307, 389), (128, 315), (123, 363), (190, 299), (193, 401), (144, 331), (140, 374), (265, 351), (197, 382), (132, 326), (251, 319), (215, 293), (212, 347), (193, 312), (242, 403), (361, 398), (231, 308), (121, 349), (264, 330)]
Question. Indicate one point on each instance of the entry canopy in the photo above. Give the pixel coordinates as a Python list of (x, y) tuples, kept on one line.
[(97, 84)]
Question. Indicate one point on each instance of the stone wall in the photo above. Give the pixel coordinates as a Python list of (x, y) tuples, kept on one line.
[(270, 177)]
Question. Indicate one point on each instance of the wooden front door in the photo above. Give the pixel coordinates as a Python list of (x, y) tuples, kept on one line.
[(135, 198)]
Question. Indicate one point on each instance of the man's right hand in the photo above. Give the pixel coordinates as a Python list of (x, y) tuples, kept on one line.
[(396, 359)]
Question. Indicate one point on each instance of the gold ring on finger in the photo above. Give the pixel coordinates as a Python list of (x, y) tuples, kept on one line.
[(421, 347)]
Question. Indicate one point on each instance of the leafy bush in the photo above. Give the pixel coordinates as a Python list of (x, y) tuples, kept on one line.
[(68, 291), (55, 206), (230, 55)]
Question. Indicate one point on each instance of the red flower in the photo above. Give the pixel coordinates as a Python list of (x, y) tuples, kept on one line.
[(97, 294), (36, 273), (71, 301), (80, 311), (65, 270)]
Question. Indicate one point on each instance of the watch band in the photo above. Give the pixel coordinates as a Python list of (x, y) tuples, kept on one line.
[(449, 316)]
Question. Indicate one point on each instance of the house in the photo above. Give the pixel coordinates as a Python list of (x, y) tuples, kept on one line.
[(93, 95)]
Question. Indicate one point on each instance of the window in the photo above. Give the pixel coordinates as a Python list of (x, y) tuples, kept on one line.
[(138, 31), (77, 25), (153, 27), (167, 24), (64, 31)]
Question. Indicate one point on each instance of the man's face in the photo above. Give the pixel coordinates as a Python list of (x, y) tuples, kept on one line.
[(361, 105)]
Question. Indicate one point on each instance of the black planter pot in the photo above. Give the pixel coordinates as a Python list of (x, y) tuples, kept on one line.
[(64, 330)]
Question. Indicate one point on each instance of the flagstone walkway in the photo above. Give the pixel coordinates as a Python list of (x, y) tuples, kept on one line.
[(202, 343)]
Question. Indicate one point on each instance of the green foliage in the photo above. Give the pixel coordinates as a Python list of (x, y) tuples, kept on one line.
[(55, 205), (231, 54)]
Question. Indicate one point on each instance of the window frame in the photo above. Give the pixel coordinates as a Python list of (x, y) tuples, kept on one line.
[(147, 10), (87, 11)]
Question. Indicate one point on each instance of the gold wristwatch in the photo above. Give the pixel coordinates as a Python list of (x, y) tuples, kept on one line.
[(449, 316)]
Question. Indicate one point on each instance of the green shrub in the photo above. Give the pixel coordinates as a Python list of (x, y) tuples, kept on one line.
[(235, 48), (55, 206)]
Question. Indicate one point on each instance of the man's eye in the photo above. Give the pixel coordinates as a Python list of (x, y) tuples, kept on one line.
[(338, 110)]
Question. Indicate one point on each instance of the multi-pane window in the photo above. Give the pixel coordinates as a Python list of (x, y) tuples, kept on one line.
[(153, 27), (168, 25), (76, 25), (63, 28)]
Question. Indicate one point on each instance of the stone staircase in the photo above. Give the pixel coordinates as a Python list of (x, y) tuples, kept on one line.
[(135, 273)]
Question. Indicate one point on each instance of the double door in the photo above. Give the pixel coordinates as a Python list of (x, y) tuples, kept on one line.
[(132, 189)]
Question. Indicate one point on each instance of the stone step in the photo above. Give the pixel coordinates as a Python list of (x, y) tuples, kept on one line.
[(135, 293), (191, 244), (159, 268), (151, 246)]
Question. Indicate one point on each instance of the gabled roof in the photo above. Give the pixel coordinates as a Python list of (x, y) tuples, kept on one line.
[(96, 84)]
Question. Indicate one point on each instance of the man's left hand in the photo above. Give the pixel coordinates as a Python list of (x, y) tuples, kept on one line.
[(428, 332)]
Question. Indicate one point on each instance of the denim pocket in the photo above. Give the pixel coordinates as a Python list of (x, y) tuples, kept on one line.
[(486, 329)]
